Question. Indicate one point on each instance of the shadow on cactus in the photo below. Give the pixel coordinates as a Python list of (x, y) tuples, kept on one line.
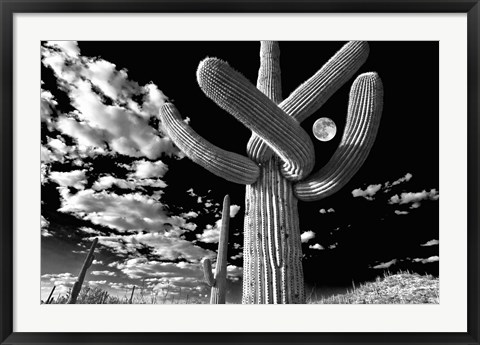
[(278, 170)]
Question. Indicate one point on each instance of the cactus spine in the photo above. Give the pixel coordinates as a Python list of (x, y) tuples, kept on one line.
[(284, 155), (77, 286), (218, 283)]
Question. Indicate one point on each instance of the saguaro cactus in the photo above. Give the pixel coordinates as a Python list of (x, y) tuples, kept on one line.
[(77, 286), (218, 283), (50, 297), (281, 156)]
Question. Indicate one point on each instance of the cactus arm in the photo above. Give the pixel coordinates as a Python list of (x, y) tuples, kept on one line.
[(207, 272), (235, 94), (228, 165), (269, 82), (363, 119), (312, 94), (77, 286)]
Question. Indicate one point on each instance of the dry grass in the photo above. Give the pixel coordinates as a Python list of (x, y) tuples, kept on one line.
[(400, 288)]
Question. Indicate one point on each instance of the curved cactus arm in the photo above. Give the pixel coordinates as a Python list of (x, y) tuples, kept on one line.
[(228, 165), (207, 272), (269, 82), (312, 94), (235, 94), (364, 113)]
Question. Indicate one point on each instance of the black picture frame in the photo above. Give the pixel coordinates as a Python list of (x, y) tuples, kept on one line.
[(10, 7)]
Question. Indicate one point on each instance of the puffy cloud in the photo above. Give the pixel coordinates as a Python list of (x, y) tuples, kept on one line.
[(167, 248), (427, 260), (60, 279), (368, 193), (146, 169), (103, 273), (106, 182), (405, 178), (139, 268), (121, 123), (68, 47), (75, 178), (47, 107), (58, 145), (97, 262), (430, 243), (398, 212), (324, 211), (97, 282), (90, 230), (190, 214), (386, 264), (234, 272), (81, 131), (122, 212), (44, 227), (234, 210), (211, 234), (414, 198), (307, 236), (317, 246)]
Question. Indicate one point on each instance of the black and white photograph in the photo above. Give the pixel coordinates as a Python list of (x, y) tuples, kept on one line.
[(239, 172)]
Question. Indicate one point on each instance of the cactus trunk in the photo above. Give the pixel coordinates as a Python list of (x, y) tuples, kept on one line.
[(272, 249), (77, 286)]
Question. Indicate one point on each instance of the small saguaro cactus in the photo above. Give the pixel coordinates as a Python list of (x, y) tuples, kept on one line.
[(218, 283), (277, 171), (130, 301), (77, 286), (50, 298)]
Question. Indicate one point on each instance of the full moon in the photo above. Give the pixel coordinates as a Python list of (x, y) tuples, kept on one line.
[(324, 129)]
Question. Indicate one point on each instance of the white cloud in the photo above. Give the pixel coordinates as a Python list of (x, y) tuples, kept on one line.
[(405, 178), (316, 246), (90, 230), (307, 236), (75, 178), (430, 243), (190, 214), (368, 193), (122, 212), (139, 268), (427, 260), (324, 211), (97, 262), (234, 272), (211, 234), (60, 279), (234, 210), (124, 125), (103, 273), (167, 248), (68, 47), (386, 264), (96, 282), (401, 212), (145, 169), (81, 131), (414, 198)]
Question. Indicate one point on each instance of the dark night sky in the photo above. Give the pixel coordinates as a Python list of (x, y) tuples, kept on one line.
[(360, 232)]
